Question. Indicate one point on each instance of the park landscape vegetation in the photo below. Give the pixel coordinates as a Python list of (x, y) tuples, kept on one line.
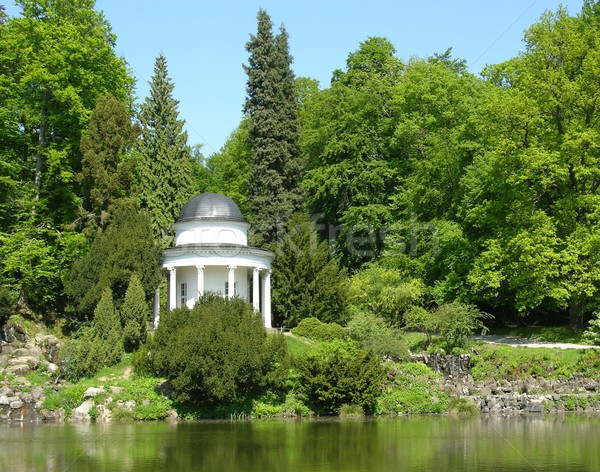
[(410, 204)]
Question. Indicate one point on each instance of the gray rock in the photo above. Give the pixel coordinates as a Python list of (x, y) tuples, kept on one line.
[(93, 392), (18, 369), (4, 400), (81, 414), (16, 404), (27, 398)]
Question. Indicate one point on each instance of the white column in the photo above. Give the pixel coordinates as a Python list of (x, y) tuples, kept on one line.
[(231, 281), (267, 299), (200, 286), (172, 288), (156, 307), (256, 289)]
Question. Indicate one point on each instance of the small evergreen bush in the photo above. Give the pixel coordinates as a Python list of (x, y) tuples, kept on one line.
[(315, 329)]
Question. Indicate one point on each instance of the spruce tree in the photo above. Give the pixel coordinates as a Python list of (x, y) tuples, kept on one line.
[(133, 314), (273, 131), (166, 171)]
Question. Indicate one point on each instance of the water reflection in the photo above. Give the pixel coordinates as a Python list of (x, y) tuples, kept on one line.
[(440, 444)]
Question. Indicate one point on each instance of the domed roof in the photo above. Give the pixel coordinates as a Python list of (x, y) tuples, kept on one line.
[(210, 206)]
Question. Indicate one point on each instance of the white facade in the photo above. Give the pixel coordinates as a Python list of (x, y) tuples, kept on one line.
[(211, 254)]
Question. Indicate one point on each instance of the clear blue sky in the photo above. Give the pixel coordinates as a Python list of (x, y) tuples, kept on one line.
[(204, 42)]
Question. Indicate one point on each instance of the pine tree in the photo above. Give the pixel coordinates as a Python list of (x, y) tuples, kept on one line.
[(273, 130), (166, 171), (133, 315)]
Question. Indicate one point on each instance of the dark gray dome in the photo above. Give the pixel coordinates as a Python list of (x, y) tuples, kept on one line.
[(210, 206)]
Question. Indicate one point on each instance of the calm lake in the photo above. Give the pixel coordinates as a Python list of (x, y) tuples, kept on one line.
[(438, 444)]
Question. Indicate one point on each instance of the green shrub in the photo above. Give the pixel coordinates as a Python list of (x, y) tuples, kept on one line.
[(455, 322), (67, 399), (338, 373), (218, 352), (313, 328), (372, 332), (272, 406)]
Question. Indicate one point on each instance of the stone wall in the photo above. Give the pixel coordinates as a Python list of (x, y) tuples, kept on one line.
[(528, 395)]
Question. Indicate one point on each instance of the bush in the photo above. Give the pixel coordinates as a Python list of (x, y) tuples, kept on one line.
[(217, 353), (372, 332), (339, 373), (313, 328)]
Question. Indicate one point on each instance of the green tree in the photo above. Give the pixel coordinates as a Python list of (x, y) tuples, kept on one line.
[(454, 322), (217, 353), (273, 115), (531, 200), (165, 169), (107, 166), (125, 247), (352, 167), (306, 281), (134, 315)]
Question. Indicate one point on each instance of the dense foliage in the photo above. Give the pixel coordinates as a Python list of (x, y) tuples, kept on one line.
[(217, 353), (431, 186), (56, 60)]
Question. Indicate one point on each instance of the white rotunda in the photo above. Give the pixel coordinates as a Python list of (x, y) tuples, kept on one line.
[(211, 253)]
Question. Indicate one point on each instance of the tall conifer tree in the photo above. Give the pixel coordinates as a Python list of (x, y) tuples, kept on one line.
[(273, 131), (166, 173)]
